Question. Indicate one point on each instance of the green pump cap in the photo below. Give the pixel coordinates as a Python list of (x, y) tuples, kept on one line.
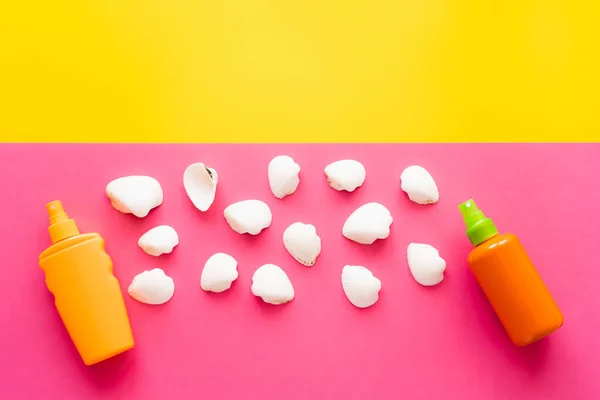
[(479, 227)]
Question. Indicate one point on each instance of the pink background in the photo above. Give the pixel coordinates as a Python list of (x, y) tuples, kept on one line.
[(415, 343)]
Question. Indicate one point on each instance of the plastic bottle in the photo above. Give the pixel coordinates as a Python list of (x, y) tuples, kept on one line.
[(79, 273), (509, 280)]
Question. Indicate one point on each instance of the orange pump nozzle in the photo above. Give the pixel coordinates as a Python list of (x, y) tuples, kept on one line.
[(61, 226)]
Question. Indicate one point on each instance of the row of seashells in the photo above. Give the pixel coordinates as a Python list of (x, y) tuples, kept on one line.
[(140, 194)]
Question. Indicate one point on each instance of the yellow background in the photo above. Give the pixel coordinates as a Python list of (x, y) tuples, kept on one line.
[(299, 70)]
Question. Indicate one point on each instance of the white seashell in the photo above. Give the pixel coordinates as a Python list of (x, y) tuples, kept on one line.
[(302, 242), (419, 185), (271, 283), (360, 286), (135, 194), (200, 183), (248, 216), (283, 176), (368, 223), (345, 175), (159, 240), (218, 273), (425, 264), (152, 287)]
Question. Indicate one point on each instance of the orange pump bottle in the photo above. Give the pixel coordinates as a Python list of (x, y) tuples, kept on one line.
[(79, 273), (509, 280)]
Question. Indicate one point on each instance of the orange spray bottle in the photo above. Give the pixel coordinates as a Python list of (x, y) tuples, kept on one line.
[(79, 273), (509, 280)]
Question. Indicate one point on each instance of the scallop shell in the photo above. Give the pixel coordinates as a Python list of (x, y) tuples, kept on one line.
[(425, 264), (200, 183), (271, 283), (248, 216), (361, 287), (218, 273), (135, 194), (302, 242), (283, 176), (418, 183), (152, 287), (159, 240), (368, 223), (345, 175)]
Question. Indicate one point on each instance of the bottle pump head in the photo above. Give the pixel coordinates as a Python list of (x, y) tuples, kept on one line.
[(479, 227), (61, 226)]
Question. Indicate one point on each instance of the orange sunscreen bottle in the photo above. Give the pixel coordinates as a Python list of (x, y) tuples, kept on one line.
[(509, 280), (79, 273)]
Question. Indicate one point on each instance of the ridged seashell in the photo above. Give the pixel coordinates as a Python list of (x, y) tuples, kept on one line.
[(159, 240), (283, 176), (272, 284), (302, 242), (360, 286), (419, 185), (425, 264), (368, 223), (218, 273), (152, 287), (345, 175), (135, 194), (248, 216), (200, 183)]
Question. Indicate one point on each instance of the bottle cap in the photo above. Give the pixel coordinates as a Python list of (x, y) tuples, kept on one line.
[(61, 226), (479, 227)]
